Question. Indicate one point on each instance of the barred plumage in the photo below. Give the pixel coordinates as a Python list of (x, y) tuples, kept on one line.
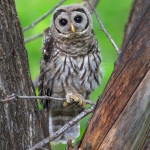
[(69, 66)]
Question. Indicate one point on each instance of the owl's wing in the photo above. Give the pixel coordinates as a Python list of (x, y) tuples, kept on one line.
[(47, 44), (46, 58)]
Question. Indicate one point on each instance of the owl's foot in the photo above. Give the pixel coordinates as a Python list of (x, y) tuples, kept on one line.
[(75, 97)]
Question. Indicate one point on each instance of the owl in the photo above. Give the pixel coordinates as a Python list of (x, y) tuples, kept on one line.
[(69, 67)]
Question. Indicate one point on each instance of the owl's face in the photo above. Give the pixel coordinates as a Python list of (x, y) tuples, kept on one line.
[(72, 19)]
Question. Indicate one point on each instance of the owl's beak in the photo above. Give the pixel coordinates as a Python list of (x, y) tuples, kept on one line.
[(72, 28)]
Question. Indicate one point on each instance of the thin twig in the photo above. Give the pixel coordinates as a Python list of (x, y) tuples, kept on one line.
[(14, 97), (43, 16), (93, 2), (35, 82), (63, 129), (32, 38), (104, 30)]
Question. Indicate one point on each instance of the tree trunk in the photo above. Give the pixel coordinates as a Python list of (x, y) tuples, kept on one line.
[(121, 119), (137, 4), (20, 125)]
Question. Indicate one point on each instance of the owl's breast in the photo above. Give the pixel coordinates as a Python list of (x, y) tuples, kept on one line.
[(80, 72), (86, 77)]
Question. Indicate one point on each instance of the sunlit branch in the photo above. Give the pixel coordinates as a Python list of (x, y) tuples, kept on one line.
[(42, 17), (104, 30), (63, 129)]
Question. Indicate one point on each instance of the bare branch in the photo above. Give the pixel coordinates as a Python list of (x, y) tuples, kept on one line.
[(43, 16), (63, 129), (32, 38), (93, 3), (103, 29), (16, 97)]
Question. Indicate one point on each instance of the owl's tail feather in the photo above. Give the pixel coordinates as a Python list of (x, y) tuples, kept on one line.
[(58, 118)]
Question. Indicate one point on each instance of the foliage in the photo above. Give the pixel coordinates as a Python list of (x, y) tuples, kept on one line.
[(114, 16)]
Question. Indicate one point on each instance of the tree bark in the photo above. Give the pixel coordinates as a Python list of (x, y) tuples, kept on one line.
[(137, 4), (121, 119), (20, 123)]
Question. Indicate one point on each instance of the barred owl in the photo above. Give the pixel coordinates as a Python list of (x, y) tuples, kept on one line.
[(69, 66)]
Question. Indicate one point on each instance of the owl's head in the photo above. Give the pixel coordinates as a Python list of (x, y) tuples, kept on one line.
[(71, 20)]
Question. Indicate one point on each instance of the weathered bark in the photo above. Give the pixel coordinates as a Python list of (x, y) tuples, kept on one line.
[(20, 127), (146, 145), (121, 119), (137, 4)]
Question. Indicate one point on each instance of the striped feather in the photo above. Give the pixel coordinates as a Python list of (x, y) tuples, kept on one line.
[(72, 63)]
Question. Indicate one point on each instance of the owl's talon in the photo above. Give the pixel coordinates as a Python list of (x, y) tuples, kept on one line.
[(80, 103), (74, 98), (65, 104), (78, 98)]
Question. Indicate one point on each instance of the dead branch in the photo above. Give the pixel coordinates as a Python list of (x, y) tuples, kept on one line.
[(42, 17), (16, 97), (29, 39), (32, 38), (90, 5), (93, 3), (63, 129), (104, 29)]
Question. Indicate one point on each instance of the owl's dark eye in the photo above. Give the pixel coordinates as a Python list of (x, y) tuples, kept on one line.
[(78, 19), (63, 22)]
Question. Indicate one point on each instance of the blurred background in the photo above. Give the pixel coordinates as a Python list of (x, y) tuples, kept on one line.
[(114, 15)]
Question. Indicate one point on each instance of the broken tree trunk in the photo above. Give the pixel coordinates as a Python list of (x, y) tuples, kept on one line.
[(20, 125), (121, 119)]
